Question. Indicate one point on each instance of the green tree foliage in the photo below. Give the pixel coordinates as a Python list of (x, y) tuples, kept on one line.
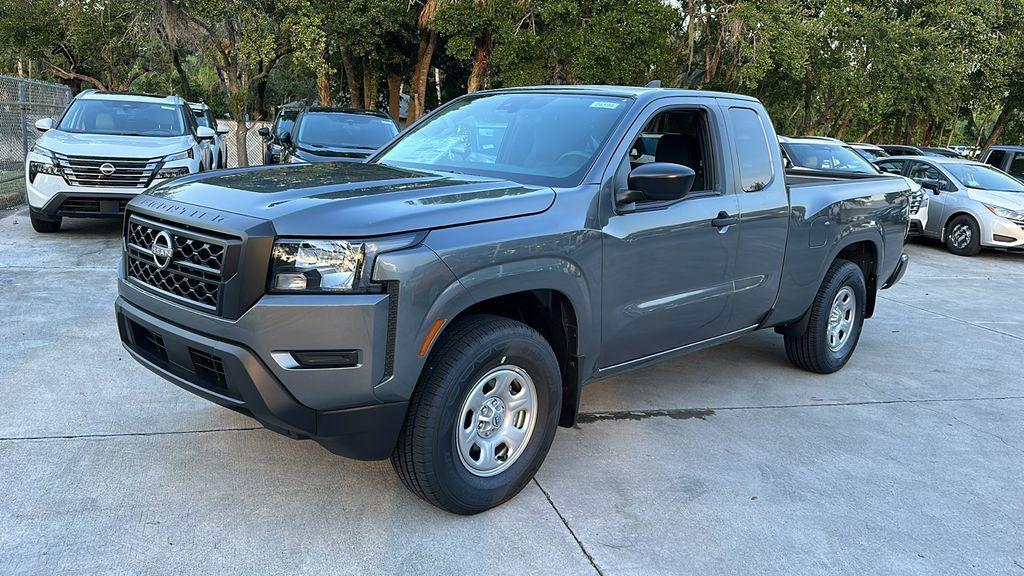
[(928, 71)]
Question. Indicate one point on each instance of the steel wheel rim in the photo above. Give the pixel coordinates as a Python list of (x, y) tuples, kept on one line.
[(496, 420), (961, 236), (841, 317)]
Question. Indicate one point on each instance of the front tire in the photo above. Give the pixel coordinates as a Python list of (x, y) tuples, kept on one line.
[(482, 417), (837, 316), (963, 236), (45, 226)]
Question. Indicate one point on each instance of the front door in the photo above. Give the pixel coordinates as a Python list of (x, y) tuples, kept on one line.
[(667, 268), (938, 203)]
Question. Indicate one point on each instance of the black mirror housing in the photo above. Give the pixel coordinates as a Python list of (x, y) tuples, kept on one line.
[(931, 184), (660, 181), (264, 132)]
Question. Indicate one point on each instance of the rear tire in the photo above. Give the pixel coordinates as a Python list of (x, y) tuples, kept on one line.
[(451, 413), (837, 316), (963, 236), (45, 226)]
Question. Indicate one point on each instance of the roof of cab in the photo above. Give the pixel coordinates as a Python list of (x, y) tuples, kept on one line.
[(934, 159), (637, 92)]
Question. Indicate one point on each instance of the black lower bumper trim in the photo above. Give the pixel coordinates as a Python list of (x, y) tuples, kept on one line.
[(73, 205), (234, 377), (897, 274)]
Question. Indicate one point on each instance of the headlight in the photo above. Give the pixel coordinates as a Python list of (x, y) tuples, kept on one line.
[(330, 266), (184, 155), (1006, 213), (35, 168), (316, 265), (172, 172)]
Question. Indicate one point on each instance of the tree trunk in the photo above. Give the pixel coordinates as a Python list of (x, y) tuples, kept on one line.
[(418, 87), (844, 123), (867, 133), (323, 87), (479, 74), (997, 128), (369, 86), (354, 95), (186, 87), (808, 119), (259, 107), (394, 94)]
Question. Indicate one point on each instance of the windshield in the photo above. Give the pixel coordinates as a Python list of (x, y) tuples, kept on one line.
[(535, 138), (984, 177), (829, 157), (123, 118), (340, 130), (284, 123)]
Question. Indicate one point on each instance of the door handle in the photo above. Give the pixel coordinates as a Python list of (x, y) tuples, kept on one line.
[(724, 219)]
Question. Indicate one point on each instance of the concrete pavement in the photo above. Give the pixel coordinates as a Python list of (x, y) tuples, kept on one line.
[(727, 461)]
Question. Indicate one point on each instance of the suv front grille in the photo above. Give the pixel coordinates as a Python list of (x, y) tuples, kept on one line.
[(195, 272), (916, 200), (108, 172)]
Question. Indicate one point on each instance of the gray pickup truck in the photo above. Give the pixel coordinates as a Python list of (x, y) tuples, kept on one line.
[(444, 303)]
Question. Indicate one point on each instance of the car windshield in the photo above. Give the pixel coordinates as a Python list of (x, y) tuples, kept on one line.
[(829, 157), (536, 138), (984, 177), (123, 118), (341, 130), (284, 123)]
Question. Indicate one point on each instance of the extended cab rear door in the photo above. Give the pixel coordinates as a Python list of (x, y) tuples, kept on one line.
[(759, 184), (667, 266)]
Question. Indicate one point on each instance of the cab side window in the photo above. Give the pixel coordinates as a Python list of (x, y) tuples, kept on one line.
[(1016, 168), (678, 136), (755, 158), (996, 157)]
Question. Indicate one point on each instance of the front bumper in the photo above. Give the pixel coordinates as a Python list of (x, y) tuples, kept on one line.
[(234, 376), (1002, 233)]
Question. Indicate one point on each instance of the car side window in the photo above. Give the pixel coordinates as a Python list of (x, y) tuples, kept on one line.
[(756, 163), (1016, 168), (921, 171), (890, 166), (676, 136), (996, 157)]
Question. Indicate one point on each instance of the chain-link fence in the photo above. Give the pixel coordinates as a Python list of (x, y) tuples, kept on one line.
[(253, 143), (22, 102)]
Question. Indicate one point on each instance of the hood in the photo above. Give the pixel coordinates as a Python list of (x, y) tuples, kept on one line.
[(1011, 200), (355, 199), (111, 146), (332, 154)]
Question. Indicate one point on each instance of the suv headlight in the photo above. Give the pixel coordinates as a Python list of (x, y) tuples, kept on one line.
[(37, 149), (183, 155), (1006, 213), (329, 266)]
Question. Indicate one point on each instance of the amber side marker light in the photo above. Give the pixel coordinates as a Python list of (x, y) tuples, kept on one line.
[(431, 335)]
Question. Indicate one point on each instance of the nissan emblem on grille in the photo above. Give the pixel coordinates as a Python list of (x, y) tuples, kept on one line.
[(107, 168), (162, 249)]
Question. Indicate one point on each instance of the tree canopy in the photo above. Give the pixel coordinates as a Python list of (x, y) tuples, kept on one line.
[(935, 72)]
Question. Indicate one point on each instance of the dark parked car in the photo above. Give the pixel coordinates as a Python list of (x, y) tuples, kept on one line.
[(870, 152), (336, 135), (443, 304), (1009, 159), (938, 151), (905, 150), (284, 119)]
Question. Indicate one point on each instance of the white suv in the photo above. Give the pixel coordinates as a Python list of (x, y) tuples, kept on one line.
[(105, 149)]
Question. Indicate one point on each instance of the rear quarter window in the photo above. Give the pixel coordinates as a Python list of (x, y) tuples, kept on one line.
[(757, 168)]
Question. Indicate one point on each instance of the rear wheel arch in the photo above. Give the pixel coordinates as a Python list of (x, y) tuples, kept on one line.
[(867, 255)]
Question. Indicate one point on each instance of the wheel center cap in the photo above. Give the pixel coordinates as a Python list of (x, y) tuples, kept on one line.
[(492, 417)]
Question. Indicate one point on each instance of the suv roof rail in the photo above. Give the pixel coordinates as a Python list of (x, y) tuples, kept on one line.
[(653, 84), (85, 92)]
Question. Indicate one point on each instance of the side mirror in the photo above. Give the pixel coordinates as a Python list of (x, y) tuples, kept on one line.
[(44, 124), (205, 133), (931, 184), (786, 163), (222, 129), (264, 133), (657, 181)]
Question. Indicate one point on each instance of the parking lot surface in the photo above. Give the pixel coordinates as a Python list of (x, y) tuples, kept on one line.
[(726, 461)]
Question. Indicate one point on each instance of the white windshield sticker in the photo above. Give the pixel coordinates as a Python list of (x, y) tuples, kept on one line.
[(603, 104), (166, 107)]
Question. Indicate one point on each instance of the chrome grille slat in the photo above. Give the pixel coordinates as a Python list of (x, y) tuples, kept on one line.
[(128, 172), (916, 200), (195, 274)]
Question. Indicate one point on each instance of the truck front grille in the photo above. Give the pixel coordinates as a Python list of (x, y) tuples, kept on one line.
[(108, 172), (193, 274)]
